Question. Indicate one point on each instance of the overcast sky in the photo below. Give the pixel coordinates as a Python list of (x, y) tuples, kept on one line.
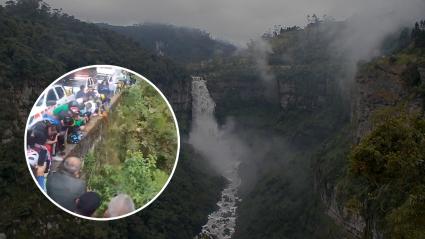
[(233, 20)]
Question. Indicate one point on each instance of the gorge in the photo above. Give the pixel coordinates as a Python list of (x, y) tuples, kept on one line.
[(317, 161)]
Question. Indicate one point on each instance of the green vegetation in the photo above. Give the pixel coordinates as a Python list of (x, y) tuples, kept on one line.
[(40, 44), (292, 174), (182, 44), (138, 150), (184, 206), (389, 165), (383, 178), (282, 201)]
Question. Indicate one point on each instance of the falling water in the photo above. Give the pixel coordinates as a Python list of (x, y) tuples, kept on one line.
[(223, 150)]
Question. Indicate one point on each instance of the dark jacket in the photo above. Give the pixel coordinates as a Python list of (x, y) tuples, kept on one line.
[(80, 94), (63, 188)]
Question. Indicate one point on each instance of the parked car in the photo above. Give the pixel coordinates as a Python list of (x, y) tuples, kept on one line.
[(55, 95)]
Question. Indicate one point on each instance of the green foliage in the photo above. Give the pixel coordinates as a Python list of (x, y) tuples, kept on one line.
[(393, 149), (137, 177), (38, 45), (146, 117), (408, 220), (138, 150), (282, 201), (184, 206), (181, 44), (389, 164)]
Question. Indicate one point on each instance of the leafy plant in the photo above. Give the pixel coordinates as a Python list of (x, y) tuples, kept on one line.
[(138, 150), (389, 164)]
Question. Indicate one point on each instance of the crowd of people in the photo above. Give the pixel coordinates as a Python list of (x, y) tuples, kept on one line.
[(49, 137)]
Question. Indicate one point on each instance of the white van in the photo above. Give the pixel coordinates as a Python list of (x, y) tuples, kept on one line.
[(55, 95)]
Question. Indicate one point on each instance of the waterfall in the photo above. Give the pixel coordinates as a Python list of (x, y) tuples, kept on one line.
[(223, 150)]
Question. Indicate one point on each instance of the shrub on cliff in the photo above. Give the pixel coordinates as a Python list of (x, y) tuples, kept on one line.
[(390, 162)]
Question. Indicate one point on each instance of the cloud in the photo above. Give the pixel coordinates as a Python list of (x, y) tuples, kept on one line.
[(234, 20)]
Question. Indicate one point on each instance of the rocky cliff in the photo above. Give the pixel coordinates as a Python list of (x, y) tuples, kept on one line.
[(388, 81), (178, 93), (382, 83), (305, 87)]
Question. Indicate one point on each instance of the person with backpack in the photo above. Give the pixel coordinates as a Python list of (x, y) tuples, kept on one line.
[(69, 116), (50, 126)]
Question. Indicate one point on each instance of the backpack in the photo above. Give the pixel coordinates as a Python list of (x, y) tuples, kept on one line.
[(75, 137)]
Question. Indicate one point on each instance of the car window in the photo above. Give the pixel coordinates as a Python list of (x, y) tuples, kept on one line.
[(60, 92), (51, 95), (31, 120), (40, 101)]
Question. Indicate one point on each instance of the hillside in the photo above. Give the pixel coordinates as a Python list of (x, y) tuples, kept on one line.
[(283, 97), (333, 151), (182, 44), (293, 96), (40, 44), (384, 184)]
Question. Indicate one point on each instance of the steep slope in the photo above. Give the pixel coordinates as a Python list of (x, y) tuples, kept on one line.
[(37, 46), (182, 44), (301, 175), (282, 94), (380, 195)]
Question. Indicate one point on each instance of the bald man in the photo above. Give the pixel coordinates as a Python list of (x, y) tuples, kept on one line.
[(119, 205), (65, 186)]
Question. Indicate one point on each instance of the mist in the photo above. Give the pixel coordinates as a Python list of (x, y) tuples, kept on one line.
[(217, 144), (260, 50), (232, 144), (236, 20), (365, 31)]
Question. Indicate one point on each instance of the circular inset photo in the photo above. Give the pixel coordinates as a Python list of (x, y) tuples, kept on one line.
[(102, 142)]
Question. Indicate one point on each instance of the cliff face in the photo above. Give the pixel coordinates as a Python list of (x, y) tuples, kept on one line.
[(178, 93), (305, 87), (380, 84), (236, 85), (352, 222)]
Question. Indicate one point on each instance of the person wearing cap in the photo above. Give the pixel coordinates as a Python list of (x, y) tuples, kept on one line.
[(64, 186), (87, 203), (70, 109)]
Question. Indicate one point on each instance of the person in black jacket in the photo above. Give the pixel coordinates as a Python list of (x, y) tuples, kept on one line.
[(88, 203)]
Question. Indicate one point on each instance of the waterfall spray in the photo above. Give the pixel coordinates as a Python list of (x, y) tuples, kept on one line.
[(224, 151)]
